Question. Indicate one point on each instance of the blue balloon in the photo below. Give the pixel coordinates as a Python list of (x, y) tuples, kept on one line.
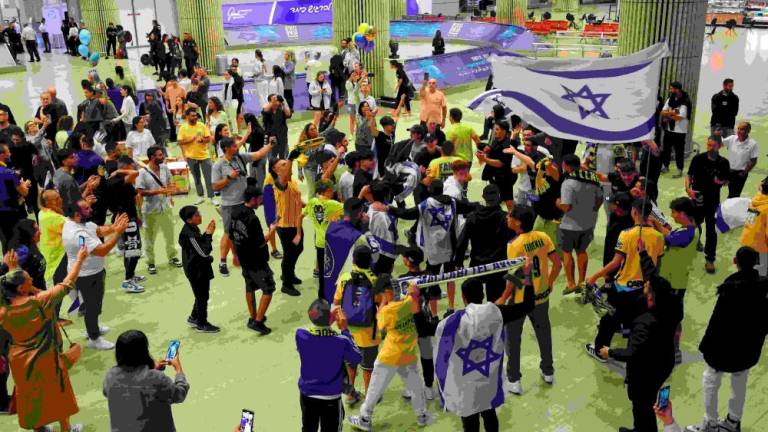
[(85, 36), (95, 57), (359, 40), (83, 50)]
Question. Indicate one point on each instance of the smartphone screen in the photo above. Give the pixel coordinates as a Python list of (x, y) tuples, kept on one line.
[(663, 397), (81, 241), (246, 421), (173, 350), (426, 76)]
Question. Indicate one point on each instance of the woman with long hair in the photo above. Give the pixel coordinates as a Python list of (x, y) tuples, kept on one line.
[(127, 111), (276, 85), (496, 115), (139, 139), (215, 116), (26, 236), (403, 89), (178, 113), (319, 96), (289, 67), (124, 79), (366, 124), (438, 43), (260, 77), (151, 392), (37, 360), (223, 131)]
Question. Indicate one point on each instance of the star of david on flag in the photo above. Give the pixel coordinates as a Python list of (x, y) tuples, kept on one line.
[(439, 217), (603, 100), (483, 366)]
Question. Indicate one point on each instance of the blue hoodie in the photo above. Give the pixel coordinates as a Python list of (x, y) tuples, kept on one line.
[(323, 353)]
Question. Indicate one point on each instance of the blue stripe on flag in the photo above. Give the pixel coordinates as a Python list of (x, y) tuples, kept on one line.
[(498, 400), (568, 126), (597, 73), (445, 349)]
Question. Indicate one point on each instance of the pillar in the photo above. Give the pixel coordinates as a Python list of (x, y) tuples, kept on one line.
[(397, 9), (512, 11), (97, 14), (347, 16), (681, 24), (565, 5), (203, 20)]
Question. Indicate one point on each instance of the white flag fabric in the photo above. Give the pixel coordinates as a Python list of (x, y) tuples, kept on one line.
[(605, 100), (469, 363)]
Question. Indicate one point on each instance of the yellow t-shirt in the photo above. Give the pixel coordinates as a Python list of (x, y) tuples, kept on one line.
[(196, 150), (755, 233), (630, 270), (461, 136), (399, 345), (50, 245), (440, 168), (363, 336), (536, 246)]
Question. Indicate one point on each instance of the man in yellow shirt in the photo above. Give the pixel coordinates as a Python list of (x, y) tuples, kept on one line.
[(194, 138), (539, 251), (755, 234), (461, 135), (367, 338), (51, 223), (440, 168), (397, 355), (628, 286)]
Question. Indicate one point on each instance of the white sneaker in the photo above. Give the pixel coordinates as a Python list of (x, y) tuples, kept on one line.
[(590, 348), (360, 423), (430, 393), (199, 201), (132, 287), (406, 394), (216, 202), (703, 427), (102, 331), (76, 428), (549, 379), (424, 419), (514, 387), (100, 344)]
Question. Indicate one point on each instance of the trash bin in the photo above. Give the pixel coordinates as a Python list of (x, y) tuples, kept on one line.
[(222, 62)]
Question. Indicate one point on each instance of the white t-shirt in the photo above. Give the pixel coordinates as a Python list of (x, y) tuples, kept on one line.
[(70, 236), (681, 126), (523, 182), (739, 153), (139, 142)]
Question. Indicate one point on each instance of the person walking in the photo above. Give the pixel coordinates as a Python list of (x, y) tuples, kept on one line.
[(725, 108), (29, 35), (76, 233), (191, 52), (322, 354), (742, 157), (43, 29), (675, 116), (38, 363), (194, 138), (111, 40), (155, 186), (138, 381), (733, 341), (196, 258)]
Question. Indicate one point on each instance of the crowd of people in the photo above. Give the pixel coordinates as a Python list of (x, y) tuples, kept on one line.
[(77, 186)]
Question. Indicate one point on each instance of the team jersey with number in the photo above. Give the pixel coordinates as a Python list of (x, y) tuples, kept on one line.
[(536, 246)]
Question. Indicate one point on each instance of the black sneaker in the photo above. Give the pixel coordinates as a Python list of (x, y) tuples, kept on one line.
[(276, 254), (151, 269), (207, 328), (291, 291), (297, 281), (259, 327), (175, 262), (192, 321), (223, 269)]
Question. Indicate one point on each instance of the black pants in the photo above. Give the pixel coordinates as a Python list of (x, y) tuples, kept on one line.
[(706, 216), (46, 43), (288, 95), (487, 127), (190, 62), (401, 91), (320, 413), (92, 290), (8, 220), (201, 288), (171, 119), (643, 392), (320, 253), (736, 180), (32, 50), (338, 88), (130, 267), (494, 283), (112, 43), (626, 307), (291, 253), (674, 141), (472, 423)]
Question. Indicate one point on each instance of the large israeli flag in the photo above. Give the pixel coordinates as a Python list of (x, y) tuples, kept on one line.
[(606, 100)]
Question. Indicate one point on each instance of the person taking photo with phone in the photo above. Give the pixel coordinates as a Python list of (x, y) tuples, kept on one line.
[(323, 353), (138, 393)]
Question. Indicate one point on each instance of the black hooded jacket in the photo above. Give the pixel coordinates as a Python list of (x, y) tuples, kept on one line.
[(196, 250)]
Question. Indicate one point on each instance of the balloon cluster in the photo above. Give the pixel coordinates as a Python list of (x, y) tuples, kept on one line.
[(85, 39), (365, 37)]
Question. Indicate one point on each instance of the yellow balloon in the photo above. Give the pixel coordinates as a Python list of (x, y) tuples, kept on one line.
[(363, 28)]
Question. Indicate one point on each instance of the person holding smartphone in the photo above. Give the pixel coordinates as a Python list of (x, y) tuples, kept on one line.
[(138, 393)]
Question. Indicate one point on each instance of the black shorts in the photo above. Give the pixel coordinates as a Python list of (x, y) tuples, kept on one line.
[(434, 292), (259, 280)]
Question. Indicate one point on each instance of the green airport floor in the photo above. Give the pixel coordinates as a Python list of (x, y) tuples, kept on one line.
[(237, 369)]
